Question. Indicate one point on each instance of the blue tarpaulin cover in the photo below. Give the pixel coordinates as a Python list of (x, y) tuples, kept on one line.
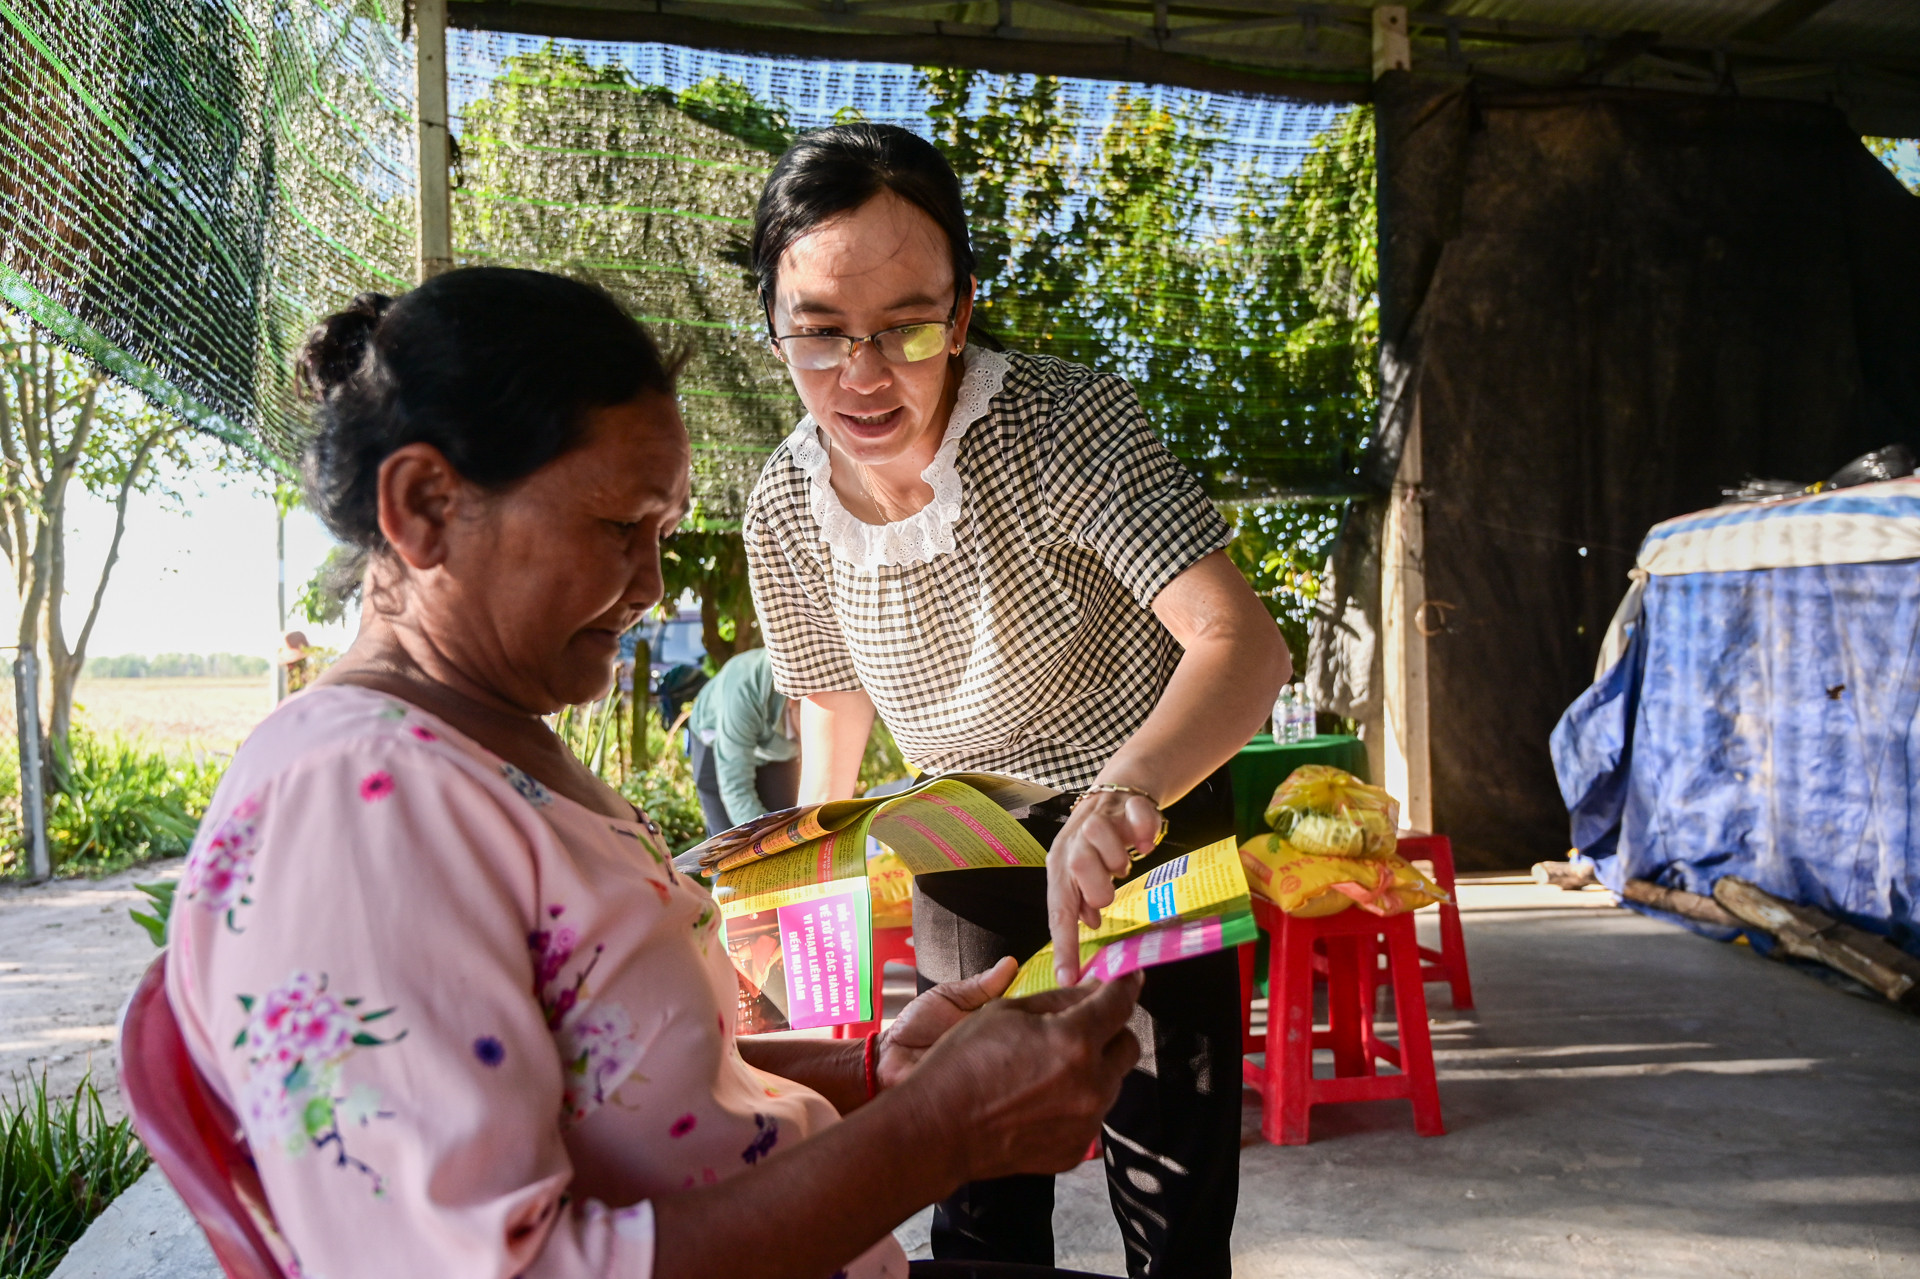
[(1763, 721)]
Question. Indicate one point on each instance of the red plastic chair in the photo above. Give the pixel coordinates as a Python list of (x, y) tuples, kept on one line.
[(890, 945), (1351, 940), (191, 1134)]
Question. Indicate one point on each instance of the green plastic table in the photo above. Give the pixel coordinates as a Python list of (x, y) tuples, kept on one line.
[(1263, 764)]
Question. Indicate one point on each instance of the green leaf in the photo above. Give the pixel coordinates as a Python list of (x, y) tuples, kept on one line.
[(317, 1117), (156, 927)]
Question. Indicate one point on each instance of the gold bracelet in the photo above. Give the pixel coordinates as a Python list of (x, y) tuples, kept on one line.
[(1114, 788)]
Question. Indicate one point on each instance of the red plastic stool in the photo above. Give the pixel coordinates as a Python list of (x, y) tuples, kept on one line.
[(889, 944), (1287, 1087), (1449, 963)]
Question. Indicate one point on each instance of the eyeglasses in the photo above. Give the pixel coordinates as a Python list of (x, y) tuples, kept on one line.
[(906, 344)]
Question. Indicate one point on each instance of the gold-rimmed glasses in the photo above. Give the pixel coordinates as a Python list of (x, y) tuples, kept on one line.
[(902, 344)]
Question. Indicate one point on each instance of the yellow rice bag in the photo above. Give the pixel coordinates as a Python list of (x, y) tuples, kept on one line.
[(891, 884), (1307, 885), (1325, 810)]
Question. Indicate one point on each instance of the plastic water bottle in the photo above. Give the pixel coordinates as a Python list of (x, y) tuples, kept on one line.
[(1293, 714), (1303, 707), (1283, 715)]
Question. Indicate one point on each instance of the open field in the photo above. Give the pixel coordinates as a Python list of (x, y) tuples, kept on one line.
[(178, 714)]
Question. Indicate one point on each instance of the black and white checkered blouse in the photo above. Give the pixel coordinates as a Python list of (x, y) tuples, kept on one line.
[(1008, 626)]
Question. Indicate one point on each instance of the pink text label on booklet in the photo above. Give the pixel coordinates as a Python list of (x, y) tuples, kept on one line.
[(1156, 946), (820, 940)]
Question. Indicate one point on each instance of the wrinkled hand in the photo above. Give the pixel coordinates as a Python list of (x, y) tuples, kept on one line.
[(1087, 856), (1022, 1085), (931, 1015)]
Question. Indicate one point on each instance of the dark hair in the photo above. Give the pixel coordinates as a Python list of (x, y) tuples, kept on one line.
[(497, 368), (830, 171)]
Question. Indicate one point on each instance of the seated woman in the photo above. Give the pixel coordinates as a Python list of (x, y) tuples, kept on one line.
[(472, 1021)]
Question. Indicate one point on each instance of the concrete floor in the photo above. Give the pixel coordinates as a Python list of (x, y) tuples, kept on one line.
[(1627, 1100)]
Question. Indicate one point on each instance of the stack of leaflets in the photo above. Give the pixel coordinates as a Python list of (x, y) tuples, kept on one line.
[(1192, 905), (796, 903)]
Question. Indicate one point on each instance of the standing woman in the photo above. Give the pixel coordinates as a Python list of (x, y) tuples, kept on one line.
[(994, 553)]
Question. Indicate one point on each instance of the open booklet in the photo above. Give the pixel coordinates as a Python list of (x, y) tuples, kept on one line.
[(797, 905), (1192, 905), (777, 832)]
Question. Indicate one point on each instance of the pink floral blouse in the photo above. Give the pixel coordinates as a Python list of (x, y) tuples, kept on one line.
[(468, 1025)]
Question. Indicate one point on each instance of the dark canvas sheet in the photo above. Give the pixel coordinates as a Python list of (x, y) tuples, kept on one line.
[(1605, 306)]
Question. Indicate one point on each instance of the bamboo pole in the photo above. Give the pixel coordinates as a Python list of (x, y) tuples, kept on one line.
[(435, 151)]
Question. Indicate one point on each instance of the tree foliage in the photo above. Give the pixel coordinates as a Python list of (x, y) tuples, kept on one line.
[(1901, 156), (1252, 346), (1248, 331)]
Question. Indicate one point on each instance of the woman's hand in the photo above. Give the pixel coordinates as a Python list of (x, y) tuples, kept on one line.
[(1103, 836), (1018, 1085), (931, 1015), (1022, 1085)]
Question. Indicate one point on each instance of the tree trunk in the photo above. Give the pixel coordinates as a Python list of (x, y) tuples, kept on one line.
[(727, 592), (67, 665), (61, 670)]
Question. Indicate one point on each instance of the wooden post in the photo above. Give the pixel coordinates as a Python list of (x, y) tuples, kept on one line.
[(1397, 743), (280, 557), (33, 792), (1392, 49), (434, 155), (1407, 766)]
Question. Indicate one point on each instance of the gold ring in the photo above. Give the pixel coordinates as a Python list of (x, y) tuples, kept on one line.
[(1134, 854)]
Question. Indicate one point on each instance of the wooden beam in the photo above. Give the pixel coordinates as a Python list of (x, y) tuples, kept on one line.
[(434, 155), (1782, 18), (1392, 50)]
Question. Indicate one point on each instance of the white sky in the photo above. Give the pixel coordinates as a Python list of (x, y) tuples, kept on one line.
[(194, 581)]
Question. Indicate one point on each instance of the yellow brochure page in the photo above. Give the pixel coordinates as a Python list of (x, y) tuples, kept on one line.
[(1206, 881), (837, 855), (948, 825)]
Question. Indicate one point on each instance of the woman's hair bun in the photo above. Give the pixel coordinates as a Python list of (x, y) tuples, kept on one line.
[(498, 368), (337, 346)]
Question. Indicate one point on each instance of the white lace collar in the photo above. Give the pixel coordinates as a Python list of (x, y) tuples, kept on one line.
[(926, 533)]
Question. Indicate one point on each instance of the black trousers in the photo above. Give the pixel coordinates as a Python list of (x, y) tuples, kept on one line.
[(988, 1270), (1172, 1140), (777, 783)]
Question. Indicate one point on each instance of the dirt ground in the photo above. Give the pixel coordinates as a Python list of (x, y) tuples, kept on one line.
[(69, 957)]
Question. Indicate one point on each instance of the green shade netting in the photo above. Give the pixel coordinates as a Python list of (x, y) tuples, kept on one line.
[(186, 187)]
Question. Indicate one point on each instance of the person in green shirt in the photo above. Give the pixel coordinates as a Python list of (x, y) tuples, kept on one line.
[(742, 745)]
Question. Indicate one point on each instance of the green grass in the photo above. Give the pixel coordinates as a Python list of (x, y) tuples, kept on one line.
[(61, 1163), (123, 802)]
